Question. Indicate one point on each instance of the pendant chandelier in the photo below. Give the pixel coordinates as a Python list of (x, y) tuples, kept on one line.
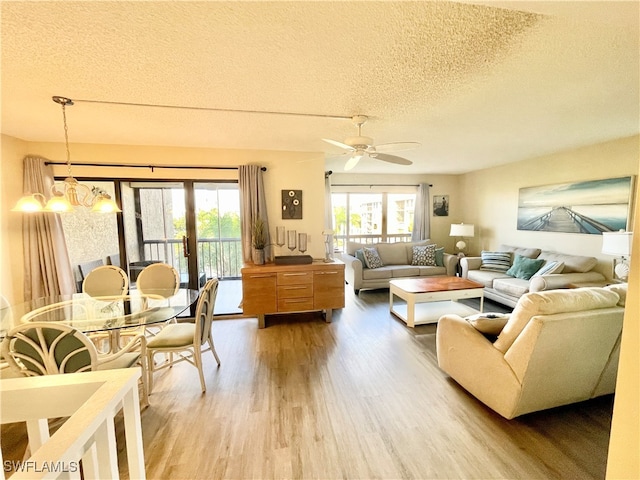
[(67, 195)]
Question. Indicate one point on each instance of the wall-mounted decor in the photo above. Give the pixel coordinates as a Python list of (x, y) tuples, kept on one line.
[(441, 205), (291, 204), (590, 207)]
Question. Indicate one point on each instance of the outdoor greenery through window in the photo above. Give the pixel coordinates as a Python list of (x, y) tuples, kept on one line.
[(372, 217)]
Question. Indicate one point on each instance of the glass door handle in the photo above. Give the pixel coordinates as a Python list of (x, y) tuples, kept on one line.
[(185, 246)]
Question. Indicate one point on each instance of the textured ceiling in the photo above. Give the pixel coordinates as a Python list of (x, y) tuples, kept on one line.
[(477, 83)]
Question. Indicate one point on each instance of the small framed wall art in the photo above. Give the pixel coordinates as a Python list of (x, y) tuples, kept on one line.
[(441, 205), (291, 204)]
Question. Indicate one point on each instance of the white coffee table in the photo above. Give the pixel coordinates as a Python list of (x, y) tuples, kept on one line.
[(427, 299)]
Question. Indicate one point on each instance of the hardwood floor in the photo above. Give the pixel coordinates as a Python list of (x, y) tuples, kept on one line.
[(359, 398)]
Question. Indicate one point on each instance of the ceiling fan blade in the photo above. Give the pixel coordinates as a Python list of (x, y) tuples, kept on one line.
[(397, 146), (338, 144), (385, 157), (353, 161)]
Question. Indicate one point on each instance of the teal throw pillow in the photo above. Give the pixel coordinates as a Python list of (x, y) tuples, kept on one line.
[(359, 254), (440, 257), (524, 267)]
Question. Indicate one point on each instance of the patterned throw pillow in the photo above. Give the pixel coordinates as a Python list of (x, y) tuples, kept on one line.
[(424, 255), (372, 258), (549, 268), (495, 261)]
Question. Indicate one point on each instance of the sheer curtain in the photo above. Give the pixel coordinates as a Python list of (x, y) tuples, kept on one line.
[(47, 267), (253, 205), (421, 215)]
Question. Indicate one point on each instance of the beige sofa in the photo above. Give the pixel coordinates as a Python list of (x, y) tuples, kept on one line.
[(507, 290), (557, 348), (397, 258)]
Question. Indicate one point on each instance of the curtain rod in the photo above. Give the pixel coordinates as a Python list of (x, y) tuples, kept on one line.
[(152, 167), (376, 185)]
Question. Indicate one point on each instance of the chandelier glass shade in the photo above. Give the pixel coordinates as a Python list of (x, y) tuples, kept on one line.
[(69, 194)]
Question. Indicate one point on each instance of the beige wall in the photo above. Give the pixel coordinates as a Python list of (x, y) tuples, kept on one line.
[(12, 259), (490, 196)]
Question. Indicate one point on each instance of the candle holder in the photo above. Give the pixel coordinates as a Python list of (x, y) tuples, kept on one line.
[(291, 240), (280, 236), (302, 242)]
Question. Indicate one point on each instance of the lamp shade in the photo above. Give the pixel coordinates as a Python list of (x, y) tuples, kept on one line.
[(462, 230), (617, 243)]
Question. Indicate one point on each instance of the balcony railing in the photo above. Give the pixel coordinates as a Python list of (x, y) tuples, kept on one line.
[(340, 241), (217, 257)]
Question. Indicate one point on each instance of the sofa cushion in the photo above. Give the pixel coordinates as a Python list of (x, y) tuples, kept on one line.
[(572, 263), (377, 273), (514, 287), (485, 277), (372, 258), (424, 255), (399, 271), (431, 271), (525, 252), (495, 261), (524, 267), (550, 267), (551, 302)]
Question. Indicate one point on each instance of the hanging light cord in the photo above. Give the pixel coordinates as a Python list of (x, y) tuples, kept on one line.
[(66, 137)]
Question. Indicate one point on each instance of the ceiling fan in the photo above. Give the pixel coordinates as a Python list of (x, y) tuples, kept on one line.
[(361, 146)]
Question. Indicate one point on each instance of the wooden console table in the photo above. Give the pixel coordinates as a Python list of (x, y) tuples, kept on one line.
[(270, 288)]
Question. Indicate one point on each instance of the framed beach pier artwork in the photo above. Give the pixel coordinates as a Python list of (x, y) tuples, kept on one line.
[(588, 207)]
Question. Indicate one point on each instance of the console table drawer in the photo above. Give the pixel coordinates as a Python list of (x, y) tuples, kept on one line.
[(295, 278), (295, 304), (295, 291)]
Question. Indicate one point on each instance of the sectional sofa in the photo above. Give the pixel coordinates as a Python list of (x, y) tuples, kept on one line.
[(397, 259), (507, 289)]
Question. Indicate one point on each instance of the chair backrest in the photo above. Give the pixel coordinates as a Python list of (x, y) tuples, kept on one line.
[(159, 279), (106, 281), (48, 348), (204, 310)]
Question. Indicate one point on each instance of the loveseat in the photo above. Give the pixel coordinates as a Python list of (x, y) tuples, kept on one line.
[(397, 259), (556, 348), (501, 286)]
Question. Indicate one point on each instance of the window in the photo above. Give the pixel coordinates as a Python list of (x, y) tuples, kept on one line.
[(372, 217)]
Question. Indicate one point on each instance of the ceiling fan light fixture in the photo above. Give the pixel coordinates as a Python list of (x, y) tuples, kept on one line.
[(353, 161)]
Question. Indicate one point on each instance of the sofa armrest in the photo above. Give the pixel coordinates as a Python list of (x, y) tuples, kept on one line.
[(450, 263), (352, 271), (472, 361), (563, 280), (469, 263)]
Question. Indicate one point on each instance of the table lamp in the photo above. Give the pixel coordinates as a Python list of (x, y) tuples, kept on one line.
[(619, 245), (462, 230)]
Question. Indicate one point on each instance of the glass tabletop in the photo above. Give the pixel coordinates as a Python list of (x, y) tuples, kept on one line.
[(94, 314)]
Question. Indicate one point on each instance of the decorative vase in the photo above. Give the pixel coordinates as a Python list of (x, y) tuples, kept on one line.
[(258, 256)]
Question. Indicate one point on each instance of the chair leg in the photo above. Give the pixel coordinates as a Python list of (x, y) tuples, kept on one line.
[(197, 357), (213, 349), (149, 371), (145, 379)]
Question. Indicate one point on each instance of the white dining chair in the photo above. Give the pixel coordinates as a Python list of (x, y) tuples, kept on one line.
[(106, 281), (159, 279), (50, 348), (189, 337)]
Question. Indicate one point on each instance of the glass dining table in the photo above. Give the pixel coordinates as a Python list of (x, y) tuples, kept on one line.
[(92, 315)]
